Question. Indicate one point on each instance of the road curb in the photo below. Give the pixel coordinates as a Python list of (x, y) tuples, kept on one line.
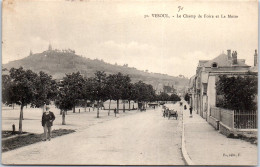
[(185, 155)]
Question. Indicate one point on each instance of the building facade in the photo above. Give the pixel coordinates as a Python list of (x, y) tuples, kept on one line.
[(202, 87)]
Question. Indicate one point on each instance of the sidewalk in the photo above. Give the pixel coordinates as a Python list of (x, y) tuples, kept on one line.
[(206, 146)]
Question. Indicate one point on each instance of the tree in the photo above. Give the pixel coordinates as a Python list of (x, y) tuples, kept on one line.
[(110, 89), (7, 91), (150, 93), (139, 91), (22, 89), (91, 87), (46, 89), (175, 97), (237, 92), (87, 91), (74, 84), (125, 89), (130, 94), (99, 87), (143, 92), (117, 90), (64, 101), (187, 97), (164, 97)]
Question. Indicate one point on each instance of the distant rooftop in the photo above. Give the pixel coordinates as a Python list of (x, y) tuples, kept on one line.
[(202, 62)]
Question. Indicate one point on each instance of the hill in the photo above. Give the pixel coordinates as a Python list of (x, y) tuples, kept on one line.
[(58, 63)]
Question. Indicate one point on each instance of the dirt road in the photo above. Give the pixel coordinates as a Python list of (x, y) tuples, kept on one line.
[(144, 138)]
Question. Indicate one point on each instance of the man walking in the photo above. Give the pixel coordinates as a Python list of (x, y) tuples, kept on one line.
[(47, 121)]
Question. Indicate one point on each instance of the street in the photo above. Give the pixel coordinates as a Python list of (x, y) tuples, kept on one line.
[(144, 138)]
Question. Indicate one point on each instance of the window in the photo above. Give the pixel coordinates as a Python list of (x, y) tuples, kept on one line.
[(205, 86), (214, 65)]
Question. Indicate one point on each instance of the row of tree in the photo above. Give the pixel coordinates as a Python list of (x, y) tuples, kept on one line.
[(166, 97), (25, 87)]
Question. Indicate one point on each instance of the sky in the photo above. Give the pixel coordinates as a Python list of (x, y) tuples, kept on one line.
[(118, 32)]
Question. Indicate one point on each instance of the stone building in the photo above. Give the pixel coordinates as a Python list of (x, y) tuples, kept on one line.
[(203, 85)]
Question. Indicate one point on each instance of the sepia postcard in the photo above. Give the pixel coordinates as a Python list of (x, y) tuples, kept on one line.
[(114, 82)]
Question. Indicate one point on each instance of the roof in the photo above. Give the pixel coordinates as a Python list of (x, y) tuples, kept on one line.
[(202, 62), (223, 61)]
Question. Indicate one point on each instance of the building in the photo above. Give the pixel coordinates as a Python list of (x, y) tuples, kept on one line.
[(254, 69), (191, 91), (202, 87), (165, 89)]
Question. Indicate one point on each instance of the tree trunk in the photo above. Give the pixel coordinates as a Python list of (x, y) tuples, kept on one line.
[(129, 101), (63, 117), (22, 114), (123, 105), (117, 103), (109, 107), (98, 109), (73, 109), (60, 112), (20, 120)]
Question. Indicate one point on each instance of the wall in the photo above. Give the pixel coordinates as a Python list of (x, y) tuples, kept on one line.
[(213, 122), (225, 130), (211, 92), (204, 106), (196, 103), (227, 117)]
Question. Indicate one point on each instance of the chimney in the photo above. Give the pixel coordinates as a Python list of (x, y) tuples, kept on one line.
[(255, 58), (229, 54), (234, 57)]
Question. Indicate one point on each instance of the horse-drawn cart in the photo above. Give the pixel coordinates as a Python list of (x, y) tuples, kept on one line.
[(172, 113)]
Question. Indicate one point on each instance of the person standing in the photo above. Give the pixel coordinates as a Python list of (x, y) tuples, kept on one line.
[(47, 121), (190, 110), (115, 112)]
